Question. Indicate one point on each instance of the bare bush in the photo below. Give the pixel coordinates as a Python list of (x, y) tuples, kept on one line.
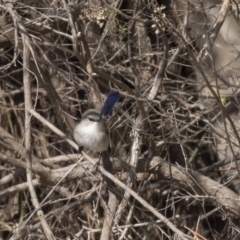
[(174, 134)]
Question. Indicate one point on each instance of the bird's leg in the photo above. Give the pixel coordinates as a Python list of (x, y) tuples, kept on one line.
[(80, 149)]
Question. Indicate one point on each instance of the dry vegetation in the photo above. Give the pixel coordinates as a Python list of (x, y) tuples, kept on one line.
[(59, 58)]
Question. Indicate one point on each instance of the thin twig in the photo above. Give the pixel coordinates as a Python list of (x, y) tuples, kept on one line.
[(139, 199)]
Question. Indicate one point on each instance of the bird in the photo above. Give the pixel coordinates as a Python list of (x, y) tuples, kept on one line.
[(92, 132)]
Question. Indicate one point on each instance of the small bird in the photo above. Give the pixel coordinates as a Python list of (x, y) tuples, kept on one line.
[(91, 132)]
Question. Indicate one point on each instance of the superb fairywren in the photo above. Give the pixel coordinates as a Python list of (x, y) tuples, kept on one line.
[(92, 132)]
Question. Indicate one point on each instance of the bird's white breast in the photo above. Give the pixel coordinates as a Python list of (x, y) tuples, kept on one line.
[(91, 136)]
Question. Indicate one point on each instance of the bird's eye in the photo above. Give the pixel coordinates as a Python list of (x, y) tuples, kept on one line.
[(93, 119)]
